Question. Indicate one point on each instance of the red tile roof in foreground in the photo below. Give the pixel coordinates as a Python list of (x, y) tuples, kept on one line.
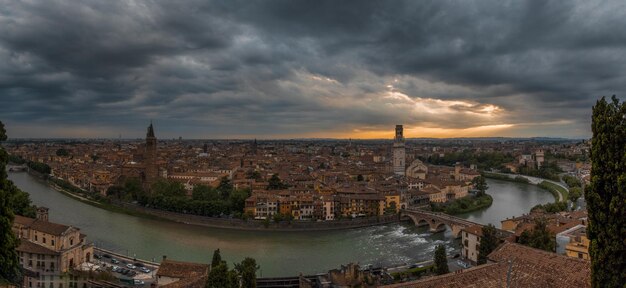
[(529, 268)]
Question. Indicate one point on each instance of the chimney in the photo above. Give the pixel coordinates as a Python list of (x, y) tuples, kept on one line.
[(164, 257), (42, 214)]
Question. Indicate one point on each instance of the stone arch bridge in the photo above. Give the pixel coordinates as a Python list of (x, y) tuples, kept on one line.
[(436, 221)]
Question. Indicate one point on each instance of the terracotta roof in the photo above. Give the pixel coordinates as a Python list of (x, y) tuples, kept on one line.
[(42, 226), (192, 282), (544, 268), (529, 268), (178, 269), (30, 247), (49, 227), (474, 229)]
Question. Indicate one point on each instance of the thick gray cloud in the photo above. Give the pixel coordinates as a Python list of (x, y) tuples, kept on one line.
[(307, 68)]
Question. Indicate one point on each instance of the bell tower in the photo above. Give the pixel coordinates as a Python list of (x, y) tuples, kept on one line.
[(399, 153), (151, 169)]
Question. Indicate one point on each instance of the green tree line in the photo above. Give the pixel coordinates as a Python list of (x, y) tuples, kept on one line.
[(172, 196)]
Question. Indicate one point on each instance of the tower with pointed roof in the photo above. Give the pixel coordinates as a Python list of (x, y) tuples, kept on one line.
[(150, 155)]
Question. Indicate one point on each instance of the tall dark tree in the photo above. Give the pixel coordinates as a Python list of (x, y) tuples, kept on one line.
[(275, 183), (488, 242), (606, 196), (539, 237), (9, 261), (217, 258), (247, 271), (480, 184), (441, 261), (225, 187)]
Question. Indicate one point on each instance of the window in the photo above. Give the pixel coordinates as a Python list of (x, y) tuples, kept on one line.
[(580, 255), (52, 242), (36, 237), (44, 240)]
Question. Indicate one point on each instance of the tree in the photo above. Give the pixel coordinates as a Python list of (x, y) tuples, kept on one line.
[(225, 187), (539, 237), (275, 183), (62, 152), (218, 277), (574, 193), (359, 178), (480, 184), (441, 261), (254, 175), (606, 196), (247, 271), (488, 242), (9, 261), (217, 258), (205, 193)]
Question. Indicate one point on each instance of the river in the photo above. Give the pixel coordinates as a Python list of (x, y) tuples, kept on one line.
[(278, 253)]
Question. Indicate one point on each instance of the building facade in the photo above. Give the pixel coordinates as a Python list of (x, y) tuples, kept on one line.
[(50, 252)]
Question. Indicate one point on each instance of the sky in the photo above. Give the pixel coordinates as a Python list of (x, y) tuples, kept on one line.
[(308, 69)]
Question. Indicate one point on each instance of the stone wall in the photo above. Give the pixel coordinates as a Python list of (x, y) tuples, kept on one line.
[(251, 224)]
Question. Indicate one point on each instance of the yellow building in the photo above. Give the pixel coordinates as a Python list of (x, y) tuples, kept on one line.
[(578, 247), (392, 201)]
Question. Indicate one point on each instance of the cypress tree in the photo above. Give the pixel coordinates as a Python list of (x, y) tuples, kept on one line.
[(217, 258), (441, 262), (606, 198), (9, 261), (488, 242)]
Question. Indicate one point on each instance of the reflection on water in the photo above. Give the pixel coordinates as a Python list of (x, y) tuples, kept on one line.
[(278, 253)]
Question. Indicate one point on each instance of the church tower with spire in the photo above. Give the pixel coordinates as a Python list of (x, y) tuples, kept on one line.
[(150, 155), (399, 153)]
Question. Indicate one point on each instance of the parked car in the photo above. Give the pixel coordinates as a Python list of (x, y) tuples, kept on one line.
[(115, 261), (124, 271), (463, 264), (138, 264), (115, 268), (131, 273), (145, 270), (139, 282), (130, 266), (106, 256), (97, 256)]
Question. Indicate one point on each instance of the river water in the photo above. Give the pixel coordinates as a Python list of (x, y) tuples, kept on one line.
[(278, 253)]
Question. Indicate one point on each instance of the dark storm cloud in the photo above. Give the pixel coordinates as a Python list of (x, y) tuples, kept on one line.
[(264, 68)]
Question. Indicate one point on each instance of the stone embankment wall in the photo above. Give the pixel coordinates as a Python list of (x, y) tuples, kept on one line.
[(262, 225)]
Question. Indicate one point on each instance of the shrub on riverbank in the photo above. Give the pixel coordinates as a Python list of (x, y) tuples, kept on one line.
[(413, 272), (464, 205), (39, 167), (555, 190)]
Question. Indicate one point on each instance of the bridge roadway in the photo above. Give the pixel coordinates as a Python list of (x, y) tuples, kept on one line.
[(437, 221)]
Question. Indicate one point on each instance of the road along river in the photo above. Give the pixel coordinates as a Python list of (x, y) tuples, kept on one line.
[(278, 253)]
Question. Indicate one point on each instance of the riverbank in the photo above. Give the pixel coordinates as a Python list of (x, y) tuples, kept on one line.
[(559, 192), (222, 223)]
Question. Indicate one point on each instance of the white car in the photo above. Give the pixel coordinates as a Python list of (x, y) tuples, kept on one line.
[(130, 266), (115, 268), (144, 270), (139, 282)]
